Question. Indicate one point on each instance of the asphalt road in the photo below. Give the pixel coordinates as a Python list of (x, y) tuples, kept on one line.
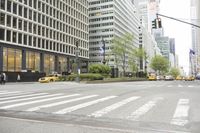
[(125, 107)]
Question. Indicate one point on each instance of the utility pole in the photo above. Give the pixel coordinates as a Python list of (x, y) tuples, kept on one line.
[(77, 61), (104, 51)]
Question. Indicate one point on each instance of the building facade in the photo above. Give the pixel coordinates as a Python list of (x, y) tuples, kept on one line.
[(40, 36), (195, 17), (109, 19)]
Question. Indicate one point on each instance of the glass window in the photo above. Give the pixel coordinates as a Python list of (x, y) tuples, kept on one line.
[(9, 5), (2, 32), (62, 67), (30, 14), (20, 24), (25, 12), (30, 27), (30, 40), (14, 37), (14, 22), (12, 59), (34, 41), (8, 20), (14, 8), (2, 4), (20, 10), (8, 35), (25, 39), (25, 25), (20, 38), (18, 60), (49, 61), (30, 3), (2, 18), (25, 2)]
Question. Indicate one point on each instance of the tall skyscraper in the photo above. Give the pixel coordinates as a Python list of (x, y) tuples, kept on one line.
[(41, 36), (108, 19), (195, 18)]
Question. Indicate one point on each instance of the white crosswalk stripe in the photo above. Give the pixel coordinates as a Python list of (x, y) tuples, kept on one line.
[(15, 94), (83, 105), (60, 103), (113, 107), (21, 96), (37, 101), (2, 93), (144, 109), (180, 117), (31, 98)]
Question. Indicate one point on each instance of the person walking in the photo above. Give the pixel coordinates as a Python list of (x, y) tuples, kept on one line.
[(18, 78), (1, 81), (3, 78)]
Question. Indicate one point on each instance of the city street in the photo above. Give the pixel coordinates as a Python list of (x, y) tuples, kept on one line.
[(124, 107)]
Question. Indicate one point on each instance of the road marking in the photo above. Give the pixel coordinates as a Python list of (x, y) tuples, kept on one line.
[(60, 103), (113, 107), (180, 85), (180, 117), (190, 86), (17, 94), (169, 86), (21, 96), (144, 109), (10, 92), (31, 98), (3, 91), (37, 101), (79, 106)]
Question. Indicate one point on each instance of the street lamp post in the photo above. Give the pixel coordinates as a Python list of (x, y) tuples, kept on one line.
[(104, 51), (77, 62)]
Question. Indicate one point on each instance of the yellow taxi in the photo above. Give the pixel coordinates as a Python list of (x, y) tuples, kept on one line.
[(49, 78), (189, 78), (152, 77), (179, 78)]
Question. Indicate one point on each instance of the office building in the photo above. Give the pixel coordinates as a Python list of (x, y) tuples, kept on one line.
[(40, 36), (109, 19)]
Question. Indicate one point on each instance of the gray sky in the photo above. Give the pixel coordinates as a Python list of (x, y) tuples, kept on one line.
[(181, 32)]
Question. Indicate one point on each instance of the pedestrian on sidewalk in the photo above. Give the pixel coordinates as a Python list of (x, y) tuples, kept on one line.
[(1, 81), (3, 78), (18, 78)]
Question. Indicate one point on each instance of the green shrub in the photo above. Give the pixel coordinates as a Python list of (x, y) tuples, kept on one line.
[(99, 68), (86, 76)]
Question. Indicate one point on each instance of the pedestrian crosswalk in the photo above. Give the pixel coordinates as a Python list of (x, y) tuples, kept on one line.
[(62, 103)]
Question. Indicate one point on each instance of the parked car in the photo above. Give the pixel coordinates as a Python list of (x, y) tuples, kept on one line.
[(198, 76), (152, 77), (49, 78), (189, 78), (179, 78), (169, 77)]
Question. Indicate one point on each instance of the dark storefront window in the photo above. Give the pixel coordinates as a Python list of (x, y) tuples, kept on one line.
[(32, 61), (12, 59), (49, 61)]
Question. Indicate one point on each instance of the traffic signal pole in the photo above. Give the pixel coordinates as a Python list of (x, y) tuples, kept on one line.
[(177, 20)]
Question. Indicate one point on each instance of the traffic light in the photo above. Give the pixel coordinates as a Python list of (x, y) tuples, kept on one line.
[(159, 23), (154, 24)]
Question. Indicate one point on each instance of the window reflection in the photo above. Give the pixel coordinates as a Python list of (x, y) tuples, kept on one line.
[(12, 59), (49, 61), (32, 61)]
